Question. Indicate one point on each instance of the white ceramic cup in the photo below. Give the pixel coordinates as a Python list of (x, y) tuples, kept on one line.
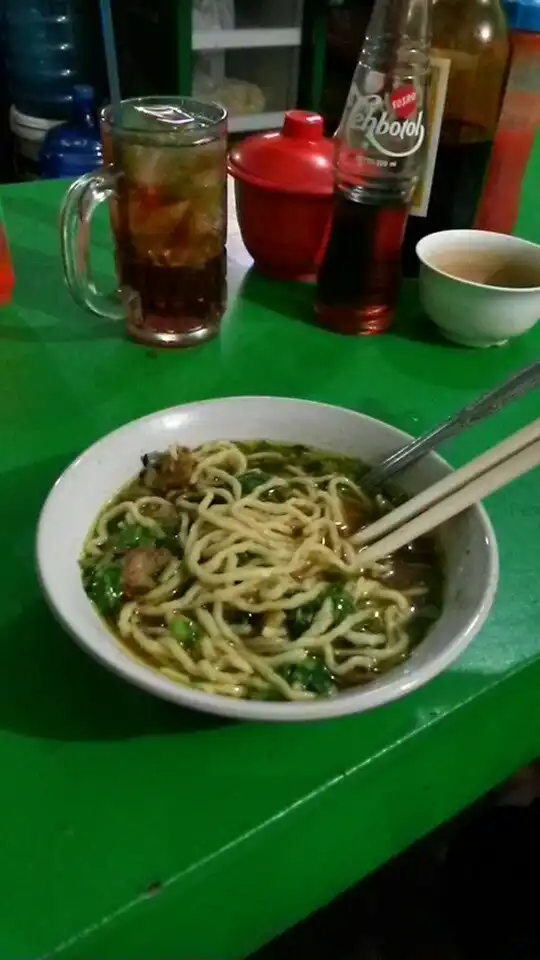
[(477, 314)]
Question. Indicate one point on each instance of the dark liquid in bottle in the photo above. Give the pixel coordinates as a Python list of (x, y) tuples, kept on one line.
[(359, 277), (462, 160)]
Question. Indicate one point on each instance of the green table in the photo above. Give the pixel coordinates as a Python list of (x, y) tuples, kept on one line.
[(134, 830)]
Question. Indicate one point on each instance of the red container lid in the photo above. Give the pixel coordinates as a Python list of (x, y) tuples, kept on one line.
[(297, 159)]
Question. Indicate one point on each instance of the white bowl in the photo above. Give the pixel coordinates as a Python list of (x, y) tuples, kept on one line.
[(475, 314), (469, 544)]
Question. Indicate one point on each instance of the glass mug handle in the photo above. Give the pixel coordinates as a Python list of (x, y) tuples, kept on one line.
[(78, 208)]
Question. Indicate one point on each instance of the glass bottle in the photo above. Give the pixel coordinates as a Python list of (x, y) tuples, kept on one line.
[(471, 49), (380, 151)]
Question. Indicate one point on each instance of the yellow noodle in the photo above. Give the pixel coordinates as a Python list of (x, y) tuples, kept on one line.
[(165, 590), (256, 555)]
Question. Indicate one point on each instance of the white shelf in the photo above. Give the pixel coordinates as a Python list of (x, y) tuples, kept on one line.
[(256, 121), (247, 38)]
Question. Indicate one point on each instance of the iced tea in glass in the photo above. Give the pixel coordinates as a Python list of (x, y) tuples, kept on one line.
[(165, 179)]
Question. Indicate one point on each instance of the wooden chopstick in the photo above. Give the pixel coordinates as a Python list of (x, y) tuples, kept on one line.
[(437, 491), (460, 499)]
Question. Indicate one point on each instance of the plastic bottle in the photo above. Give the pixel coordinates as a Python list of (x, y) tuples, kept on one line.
[(380, 147), (518, 122), (74, 148), (470, 53), (50, 46)]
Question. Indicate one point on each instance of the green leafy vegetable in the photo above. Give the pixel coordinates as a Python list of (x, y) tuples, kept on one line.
[(300, 619), (314, 462), (312, 675), (251, 479), (342, 601), (186, 631), (131, 536), (103, 584), (136, 535)]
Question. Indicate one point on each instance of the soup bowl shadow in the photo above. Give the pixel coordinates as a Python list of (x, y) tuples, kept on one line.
[(468, 543)]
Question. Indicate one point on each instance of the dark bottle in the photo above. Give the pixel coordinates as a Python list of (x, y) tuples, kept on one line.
[(470, 54), (380, 148)]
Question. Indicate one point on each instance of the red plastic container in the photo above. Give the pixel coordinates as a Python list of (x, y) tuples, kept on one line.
[(7, 279), (284, 189)]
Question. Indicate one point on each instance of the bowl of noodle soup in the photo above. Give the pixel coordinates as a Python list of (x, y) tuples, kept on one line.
[(209, 553)]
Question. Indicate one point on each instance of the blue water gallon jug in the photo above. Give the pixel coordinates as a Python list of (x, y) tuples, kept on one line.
[(49, 48), (73, 148)]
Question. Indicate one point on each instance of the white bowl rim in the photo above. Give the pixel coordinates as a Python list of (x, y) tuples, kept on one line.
[(356, 701)]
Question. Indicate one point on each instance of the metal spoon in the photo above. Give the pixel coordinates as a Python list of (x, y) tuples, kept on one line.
[(512, 389)]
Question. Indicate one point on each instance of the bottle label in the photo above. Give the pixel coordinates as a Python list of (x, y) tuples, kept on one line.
[(436, 98), (381, 138), (391, 124)]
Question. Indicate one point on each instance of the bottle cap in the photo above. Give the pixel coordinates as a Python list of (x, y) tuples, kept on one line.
[(297, 159), (523, 15)]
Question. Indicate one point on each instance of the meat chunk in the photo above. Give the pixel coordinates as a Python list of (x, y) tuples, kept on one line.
[(170, 473), (140, 568)]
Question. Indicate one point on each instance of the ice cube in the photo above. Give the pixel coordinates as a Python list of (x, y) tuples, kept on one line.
[(160, 117), (150, 166), (155, 221)]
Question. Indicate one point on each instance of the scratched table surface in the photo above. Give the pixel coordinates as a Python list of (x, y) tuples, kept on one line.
[(132, 829)]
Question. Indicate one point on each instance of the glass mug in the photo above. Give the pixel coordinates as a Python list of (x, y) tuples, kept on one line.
[(165, 178)]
